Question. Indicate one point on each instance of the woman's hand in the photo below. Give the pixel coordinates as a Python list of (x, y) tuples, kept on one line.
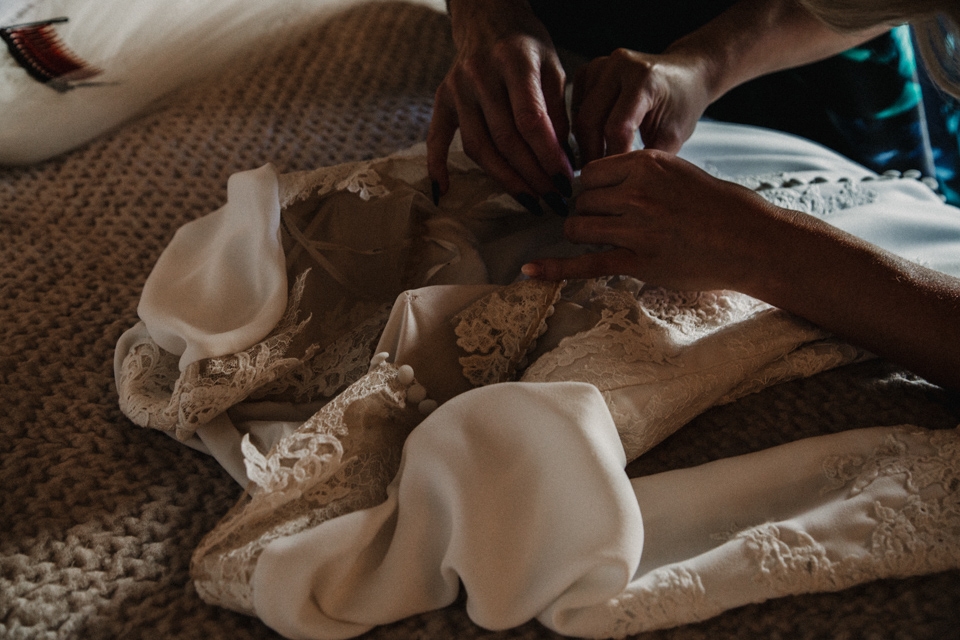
[(669, 223), (661, 95), (664, 95), (505, 92)]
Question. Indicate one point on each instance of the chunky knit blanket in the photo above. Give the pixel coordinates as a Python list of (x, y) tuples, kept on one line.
[(98, 518)]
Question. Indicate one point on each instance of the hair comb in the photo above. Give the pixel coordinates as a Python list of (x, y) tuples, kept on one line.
[(38, 49)]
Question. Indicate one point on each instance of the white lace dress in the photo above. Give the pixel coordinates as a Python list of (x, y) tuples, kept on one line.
[(407, 416)]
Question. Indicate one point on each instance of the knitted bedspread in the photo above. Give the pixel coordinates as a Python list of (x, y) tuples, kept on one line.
[(98, 518)]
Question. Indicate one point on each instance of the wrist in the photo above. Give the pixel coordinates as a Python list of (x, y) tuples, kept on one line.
[(492, 18), (767, 250), (797, 257), (714, 58)]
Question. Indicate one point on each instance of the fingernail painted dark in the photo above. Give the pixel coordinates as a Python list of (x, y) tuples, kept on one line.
[(557, 203), (529, 203), (562, 183), (571, 156), (435, 188)]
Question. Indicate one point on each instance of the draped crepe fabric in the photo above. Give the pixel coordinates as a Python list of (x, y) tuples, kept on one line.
[(517, 491)]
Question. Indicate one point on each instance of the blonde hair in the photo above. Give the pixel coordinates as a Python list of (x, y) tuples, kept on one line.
[(935, 23)]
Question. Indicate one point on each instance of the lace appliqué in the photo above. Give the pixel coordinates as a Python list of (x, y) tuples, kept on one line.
[(332, 368), (154, 393), (360, 178), (648, 326), (915, 537), (920, 535), (499, 330), (339, 461), (696, 313), (812, 199), (817, 196), (640, 355), (654, 603)]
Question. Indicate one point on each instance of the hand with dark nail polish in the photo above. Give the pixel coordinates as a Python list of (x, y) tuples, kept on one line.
[(563, 185), (530, 203), (557, 203)]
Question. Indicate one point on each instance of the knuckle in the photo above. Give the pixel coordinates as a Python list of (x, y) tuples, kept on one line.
[(503, 139), (469, 72), (655, 157), (618, 131), (471, 144), (624, 56), (509, 50), (530, 118)]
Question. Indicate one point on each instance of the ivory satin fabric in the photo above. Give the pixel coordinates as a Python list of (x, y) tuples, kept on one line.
[(517, 490)]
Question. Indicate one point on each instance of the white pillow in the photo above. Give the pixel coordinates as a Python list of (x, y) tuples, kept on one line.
[(146, 48)]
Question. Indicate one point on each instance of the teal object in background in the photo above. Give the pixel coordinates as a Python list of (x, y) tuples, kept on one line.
[(873, 103), (909, 124), (942, 113)]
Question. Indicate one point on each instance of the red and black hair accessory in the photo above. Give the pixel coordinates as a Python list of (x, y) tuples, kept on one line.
[(37, 48)]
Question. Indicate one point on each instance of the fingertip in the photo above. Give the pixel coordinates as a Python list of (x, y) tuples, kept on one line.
[(439, 137), (437, 152), (439, 178), (532, 270), (548, 270), (563, 185)]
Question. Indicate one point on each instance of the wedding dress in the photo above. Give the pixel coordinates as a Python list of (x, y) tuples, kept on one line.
[(406, 414)]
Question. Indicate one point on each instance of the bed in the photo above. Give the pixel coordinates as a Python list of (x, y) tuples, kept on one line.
[(100, 518)]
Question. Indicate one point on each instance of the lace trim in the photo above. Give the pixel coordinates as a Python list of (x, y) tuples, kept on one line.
[(937, 466), (811, 199), (639, 330), (908, 540), (332, 368), (153, 393), (499, 330), (916, 538), (640, 340), (360, 178), (653, 605), (698, 313), (811, 358), (796, 192), (339, 461)]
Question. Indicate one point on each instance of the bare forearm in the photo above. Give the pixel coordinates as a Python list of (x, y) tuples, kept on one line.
[(757, 37), (895, 308), (670, 223)]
